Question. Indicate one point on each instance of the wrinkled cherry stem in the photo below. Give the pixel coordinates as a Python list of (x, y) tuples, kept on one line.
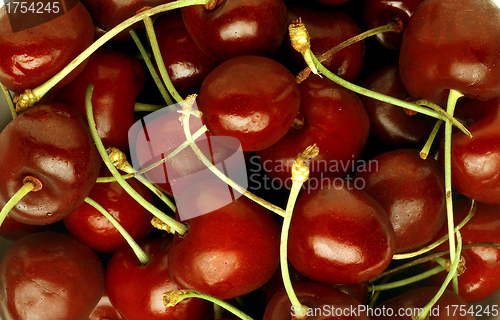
[(27, 100), (171, 298), (174, 226), (300, 174), (187, 111), (12, 108), (141, 255), (31, 184)]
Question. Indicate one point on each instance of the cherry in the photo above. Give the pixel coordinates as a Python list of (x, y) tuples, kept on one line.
[(253, 99), (136, 291), (49, 275), (335, 120), (325, 303), (452, 44), (339, 234), (52, 144), (229, 251), (118, 79), (104, 310), (377, 13), (237, 27), (92, 228), (411, 191), (32, 56), (12, 229)]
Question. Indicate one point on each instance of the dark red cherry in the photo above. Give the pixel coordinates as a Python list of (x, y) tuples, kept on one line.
[(50, 275), (411, 191), (136, 291), (335, 120), (253, 99), (237, 27), (377, 13), (12, 229), (449, 307), (339, 234), (232, 246), (118, 78), (95, 230), (32, 56), (104, 310), (52, 143), (325, 303), (452, 44)]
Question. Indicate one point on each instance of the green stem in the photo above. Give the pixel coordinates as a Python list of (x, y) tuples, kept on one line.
[(24, 190), (141, 255), (9, 101), (428, 144), (171, 298), (172, 223), (407, 281), (151, 68), (146, 107), (159, 60)]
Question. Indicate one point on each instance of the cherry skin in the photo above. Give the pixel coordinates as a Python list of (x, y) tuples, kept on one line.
[(237, 27), (136, 291), (104, 310), (452, 45), (49, 275), (339, 234), (335, 120), (30, 57), (253, 99), (411, 191), (316, 296), (118, 79), (377, 13), (12, 229), (227, 252), (96, 231), (52, 143)]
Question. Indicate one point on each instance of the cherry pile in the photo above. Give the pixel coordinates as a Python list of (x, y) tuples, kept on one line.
[(264, 159)]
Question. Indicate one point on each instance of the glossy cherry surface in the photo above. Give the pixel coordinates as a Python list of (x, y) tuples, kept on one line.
[(52, 143), (32, 56), (49, 275), (339, 235), (104, 310), (452, 44), (136, 291), (229, 251), (251, 98), (411, 191), (95, 230), (237, 27)]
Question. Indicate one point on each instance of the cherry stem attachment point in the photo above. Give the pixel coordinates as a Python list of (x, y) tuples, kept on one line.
[(141, 255), (30, 185), (171, 298)]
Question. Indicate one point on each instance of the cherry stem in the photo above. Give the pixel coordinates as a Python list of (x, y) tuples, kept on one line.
[(186, 111), (146, 107), (174, 225), (453, 97), (41, 90), (159, 60), (120, 162), (151, 68), (300, 174), (449, 277), (443, 239), (427, 147), (449, 117), (410, 280), (27, 187), (171, 298), (141, 255), (376, 294), (9, 101), (391, 26)]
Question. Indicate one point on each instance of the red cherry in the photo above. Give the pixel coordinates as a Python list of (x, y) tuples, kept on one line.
[(92, 228), (49, 275), (411, 191), (339, 234), (237, 27), (229, 251), (32, 56), (51, 143), (452, 44), (118, 79), (253, 99), (12, 229), (136, 291)]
